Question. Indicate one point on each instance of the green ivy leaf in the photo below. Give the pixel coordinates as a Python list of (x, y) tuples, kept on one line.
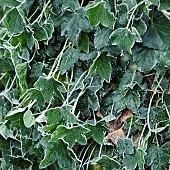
[(69, 57), (74, 25), (145, 58), (40, 32), (107, 163), (48, 88), (125, 38), (60, 115), (28, 118), (131, 100), (99, 14), (84, 42), (140, 25), (131, 161), (71, 4), (21, 71), (71, 135), (5, 132), (9, 3), (57, 151), (158, 157), (14, 21), (102, 66), (130, 4), (101, 38), (97, 132), (122, 14), (125, 146)]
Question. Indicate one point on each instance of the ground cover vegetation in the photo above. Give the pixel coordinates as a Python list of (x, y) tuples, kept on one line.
[(84, 85)]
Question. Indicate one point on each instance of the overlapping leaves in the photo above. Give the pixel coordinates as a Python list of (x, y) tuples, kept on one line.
[(65, 65)]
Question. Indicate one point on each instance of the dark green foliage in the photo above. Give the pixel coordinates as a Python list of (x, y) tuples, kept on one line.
[(64, 62)]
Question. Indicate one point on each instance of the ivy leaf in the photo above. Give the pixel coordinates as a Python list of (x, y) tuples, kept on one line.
[(130, 4), (101, 38), (57, 151), (5, 132), (102, 66), (32, 94), (74, 25), (71, 135), (99, 14), (125, 38), (9, 3), (158, 157), (21, 71), (28, 118), (49, 29), (162, 24), (131, 100), (69, 57), (122, 14), (60, 115), (48, 88), (5, 65), (97, 132), (131, 161), (125, 146), (84, 42), (71, 4), (152, 39), (107, 163), (129, 80), (145, 58), (14, 21), (140, 25), (92, 99), (40, 32)]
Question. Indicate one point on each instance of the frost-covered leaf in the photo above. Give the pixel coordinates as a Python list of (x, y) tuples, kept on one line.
[(145, 58), (71, 4), (99, 14), (60, 115), (57, 151), (14, 21), (9, 3), (73, 26), (158, 157), (97, 132), (102, 66), (28, 118), (48, 88), (5, 132), (69, 57), (107, 163), (131, 161), (101, 38), (21, 71), (125, 146), (71, 135), (130, 100), (40, 32), (125, 38)]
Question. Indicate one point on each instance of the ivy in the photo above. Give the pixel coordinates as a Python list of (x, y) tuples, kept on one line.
[(84, 85)]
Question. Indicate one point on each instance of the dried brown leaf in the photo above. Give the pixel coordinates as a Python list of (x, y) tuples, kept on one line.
[(98, 114), (115, 135)]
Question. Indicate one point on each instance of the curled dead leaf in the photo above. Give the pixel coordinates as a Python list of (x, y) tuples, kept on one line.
[(115, 135)]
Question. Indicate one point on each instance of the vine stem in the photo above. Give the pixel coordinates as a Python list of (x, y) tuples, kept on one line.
[(150, 103), (66, 101), (58, 59), (134, 9), (40, 16)]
